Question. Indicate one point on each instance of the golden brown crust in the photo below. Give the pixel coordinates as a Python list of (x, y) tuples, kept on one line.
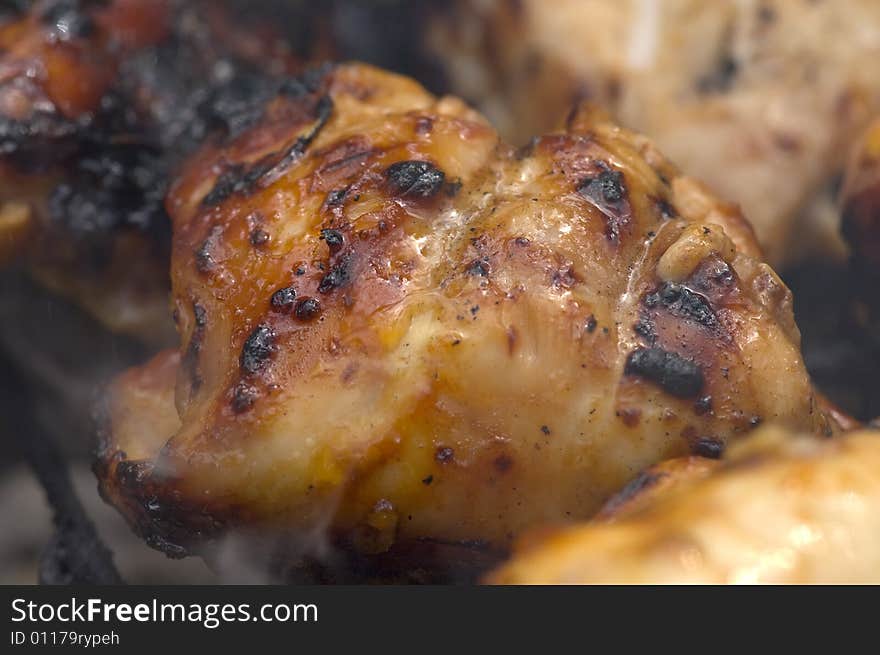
[(397, 328)]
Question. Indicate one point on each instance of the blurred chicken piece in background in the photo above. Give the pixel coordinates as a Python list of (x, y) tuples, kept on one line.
[(759, 98), (781, 509)]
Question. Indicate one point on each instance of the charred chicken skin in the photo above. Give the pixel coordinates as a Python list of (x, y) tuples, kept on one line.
[(743, 94), (99, 102), (782, 509), (396, 329)]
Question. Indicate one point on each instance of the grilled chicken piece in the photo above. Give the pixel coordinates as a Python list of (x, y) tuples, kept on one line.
[(758, 97), (99, 101), (780, 510), (398, 330)]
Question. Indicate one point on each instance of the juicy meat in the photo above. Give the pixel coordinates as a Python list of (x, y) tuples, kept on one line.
[(397, 329), (759, 98), (782, 509), (99, 102)]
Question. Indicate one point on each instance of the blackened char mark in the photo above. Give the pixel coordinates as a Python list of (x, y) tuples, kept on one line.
[(673, 373), (258, 348), (336, 198), (713, 277), (307, 309), (708, 447), (235, 179), (683, 303), (333, 238), (191, 357), (323, 112), (283, 300), (245, 180), (339, 276), (607, 191), (417, 179), (645, 328), (244, 396), (204, 255)]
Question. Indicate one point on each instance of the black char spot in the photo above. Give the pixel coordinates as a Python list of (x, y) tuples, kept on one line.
[(676, 375), (606, 188), (646, 329), (283, 300), (258, 348), (419, 179), (684, 303), (336, 197), (307, 309), (339, 276), (708, 447), (333, 238), (243, 397), (607, 191), (239, 179)]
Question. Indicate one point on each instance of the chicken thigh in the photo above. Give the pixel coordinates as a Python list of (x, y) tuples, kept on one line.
[(398, 330)]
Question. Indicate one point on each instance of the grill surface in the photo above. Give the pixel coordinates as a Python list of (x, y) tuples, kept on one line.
[(75, 554)]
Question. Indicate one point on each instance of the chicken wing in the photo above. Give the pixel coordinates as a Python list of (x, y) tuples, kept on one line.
[(398, 330), (780, 510), (760, 98)]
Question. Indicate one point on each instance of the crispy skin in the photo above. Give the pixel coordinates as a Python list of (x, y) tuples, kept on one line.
[(99, 101), (781, 510), (759, 99), (397, 328)]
